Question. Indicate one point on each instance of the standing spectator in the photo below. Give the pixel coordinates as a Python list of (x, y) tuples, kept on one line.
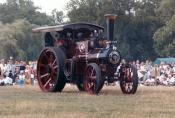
[(22, 65), (155, 72), (10, 69), (138, 64), (2, 67), (32, 74), (17, 71), (27, 75), (148, 65)]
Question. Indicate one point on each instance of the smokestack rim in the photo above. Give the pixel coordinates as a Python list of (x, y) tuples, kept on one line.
[(111, 16)]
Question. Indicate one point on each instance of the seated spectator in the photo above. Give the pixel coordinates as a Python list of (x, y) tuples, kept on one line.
[(165, 81), (35, 82), (21, 78), (140, 76), (172, 80), (6, 80), (160, 79), (147, 75), (150, 82)]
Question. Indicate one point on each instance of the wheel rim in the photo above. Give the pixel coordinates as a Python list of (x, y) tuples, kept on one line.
[(47, 70), (128, 84), (90, 81)]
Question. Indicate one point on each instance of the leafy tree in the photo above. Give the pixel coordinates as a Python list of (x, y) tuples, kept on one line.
[(17, 18), (166, 10), (165, 39), (17, 41), (8, 43), (144, 28), (22, 9), (57, 16), (141, 28)]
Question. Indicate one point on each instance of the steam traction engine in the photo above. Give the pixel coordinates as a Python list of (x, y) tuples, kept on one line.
[(77, 53)]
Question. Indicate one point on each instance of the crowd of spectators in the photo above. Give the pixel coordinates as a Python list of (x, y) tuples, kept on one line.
[(17, 72), (21, 72), (155, 74)]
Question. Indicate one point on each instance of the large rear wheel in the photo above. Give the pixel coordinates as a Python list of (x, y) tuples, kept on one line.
[(50, 70), (129, 79), (92, 81)]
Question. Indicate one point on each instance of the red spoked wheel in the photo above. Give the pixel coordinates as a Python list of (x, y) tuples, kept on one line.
[(92, 81), (50, 70), (129, 79)]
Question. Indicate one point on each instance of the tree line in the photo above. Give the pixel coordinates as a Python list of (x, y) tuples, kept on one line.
[(145, 29)]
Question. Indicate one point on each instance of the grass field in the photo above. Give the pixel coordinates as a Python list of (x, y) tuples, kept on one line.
[(30, 102)]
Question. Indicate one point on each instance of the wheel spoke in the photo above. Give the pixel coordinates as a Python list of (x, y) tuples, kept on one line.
[(128, 75), (55, 67), (128, 88), (93, 77), (47, 82), (91, 86), (53, 62), (51, 58), (44, 75)]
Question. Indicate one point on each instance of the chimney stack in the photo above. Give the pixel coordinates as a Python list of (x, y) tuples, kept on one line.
[(110, 20)]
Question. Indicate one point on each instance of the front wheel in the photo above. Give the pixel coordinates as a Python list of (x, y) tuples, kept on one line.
[(129, 79), (93, 81)]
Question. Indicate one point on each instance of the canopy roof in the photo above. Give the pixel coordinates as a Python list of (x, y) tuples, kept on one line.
[(72, 26), (165, 60)]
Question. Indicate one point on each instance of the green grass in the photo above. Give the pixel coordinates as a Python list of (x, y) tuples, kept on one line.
[(30, 102)]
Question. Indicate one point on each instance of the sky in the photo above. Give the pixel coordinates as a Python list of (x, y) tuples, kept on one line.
[(48, 5)]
